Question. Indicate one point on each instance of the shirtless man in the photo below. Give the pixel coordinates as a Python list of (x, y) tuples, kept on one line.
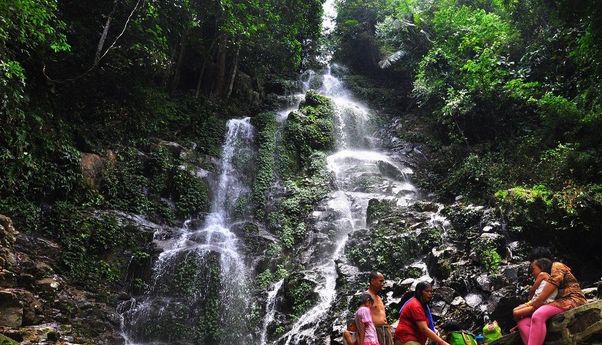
[(377, 280)]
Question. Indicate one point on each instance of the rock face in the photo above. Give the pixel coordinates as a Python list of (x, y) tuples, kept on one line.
[(579, 326), (478, 266), (37, 306), (92, 165)]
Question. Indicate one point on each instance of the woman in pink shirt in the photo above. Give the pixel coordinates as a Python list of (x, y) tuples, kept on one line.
[(366, 332)]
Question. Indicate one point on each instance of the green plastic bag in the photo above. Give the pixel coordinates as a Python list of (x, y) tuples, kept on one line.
[(461, 338), (491, 332)]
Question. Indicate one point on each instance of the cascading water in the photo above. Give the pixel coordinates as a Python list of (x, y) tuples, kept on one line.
[(362, 172), (199, 290)]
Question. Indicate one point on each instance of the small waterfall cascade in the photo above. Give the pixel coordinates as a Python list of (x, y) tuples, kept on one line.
[(362, 172), (199, 289), (270, 310)]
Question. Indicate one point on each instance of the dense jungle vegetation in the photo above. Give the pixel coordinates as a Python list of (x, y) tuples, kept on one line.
[(509, 92), (506, 94), (119, 79)]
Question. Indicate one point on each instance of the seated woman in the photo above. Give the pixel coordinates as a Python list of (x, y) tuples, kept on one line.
[(415, 319), (533, 328), (540, 269)]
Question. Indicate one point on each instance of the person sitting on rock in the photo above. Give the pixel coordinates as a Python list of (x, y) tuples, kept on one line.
[(366, 332), (533, 328), (540, 269), (415, 319), (350, 334)]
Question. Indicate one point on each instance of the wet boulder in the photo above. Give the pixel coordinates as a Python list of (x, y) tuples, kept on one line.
[(297, 295)]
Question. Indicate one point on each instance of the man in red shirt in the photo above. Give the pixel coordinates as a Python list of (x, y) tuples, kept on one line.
[(415, 322)]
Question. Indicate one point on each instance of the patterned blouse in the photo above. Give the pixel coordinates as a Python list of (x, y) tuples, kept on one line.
[(569, 291)]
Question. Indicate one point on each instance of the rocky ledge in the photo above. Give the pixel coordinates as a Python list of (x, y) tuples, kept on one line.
[(38, 306)]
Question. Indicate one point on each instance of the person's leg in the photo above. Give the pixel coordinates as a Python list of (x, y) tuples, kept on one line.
[(522, 311), (524, 328), (384, 335), (537, 333)]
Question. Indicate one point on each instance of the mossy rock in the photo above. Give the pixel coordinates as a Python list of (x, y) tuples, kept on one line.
[(299, 294), (378, 208), (4, 340)]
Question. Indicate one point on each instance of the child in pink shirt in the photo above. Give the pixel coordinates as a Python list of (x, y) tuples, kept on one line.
[(366, 332)]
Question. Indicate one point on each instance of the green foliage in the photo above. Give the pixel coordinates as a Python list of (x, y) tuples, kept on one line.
[(190, 194), (27, 28), (479, 175), (573, 207), (92, 245), (490, 259), (265, 124), (267, 277), (4, 340), (311, 128), (137, 182), (301, 166), (300, 294), (465, 65), (303, 193), (509, 89)]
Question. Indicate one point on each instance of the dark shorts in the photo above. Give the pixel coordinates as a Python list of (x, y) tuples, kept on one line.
[(384, 334)]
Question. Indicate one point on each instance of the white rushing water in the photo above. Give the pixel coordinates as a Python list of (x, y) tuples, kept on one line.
[(362, 172), (162, 304)]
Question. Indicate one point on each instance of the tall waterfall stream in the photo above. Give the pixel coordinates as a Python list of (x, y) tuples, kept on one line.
[(205, 258)]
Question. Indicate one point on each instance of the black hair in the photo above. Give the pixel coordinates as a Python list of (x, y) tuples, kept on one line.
[(540, 253), (420, 287), (373, 275), (365, 297), (544, 264), (452, 326)]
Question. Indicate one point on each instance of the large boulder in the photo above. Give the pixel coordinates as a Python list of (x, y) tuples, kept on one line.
[(581, 325), (11, 310), (92, 166)]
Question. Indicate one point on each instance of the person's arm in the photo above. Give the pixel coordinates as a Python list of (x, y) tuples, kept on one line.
[(348, 338), (545, 293), (522, 310), (361, 330), (553, 283), (540, 277), (424, 328)]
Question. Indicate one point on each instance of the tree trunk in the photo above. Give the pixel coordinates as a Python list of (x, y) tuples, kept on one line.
[(233, 74), (220, 81), (105, 32), (199, 82), (178, 69), (206, 59)]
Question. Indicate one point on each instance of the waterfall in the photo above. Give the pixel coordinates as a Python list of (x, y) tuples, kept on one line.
[(362, 172), (199, 289), (270, 310)]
